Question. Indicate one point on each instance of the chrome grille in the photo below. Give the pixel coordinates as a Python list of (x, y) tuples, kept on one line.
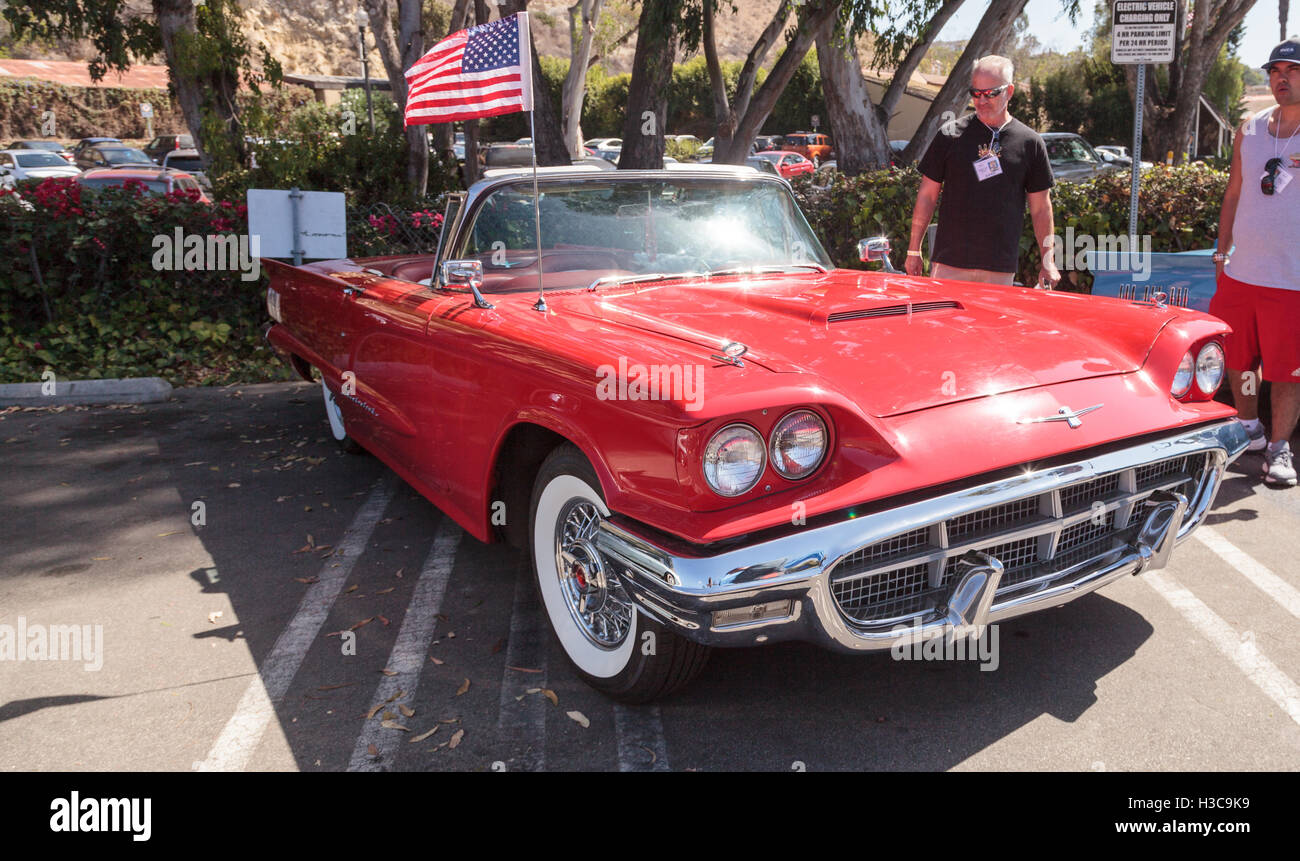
[(909, 574)]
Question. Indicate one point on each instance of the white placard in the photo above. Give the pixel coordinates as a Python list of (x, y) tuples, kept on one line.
[(1144, 31), (322, 223), (146, 110)]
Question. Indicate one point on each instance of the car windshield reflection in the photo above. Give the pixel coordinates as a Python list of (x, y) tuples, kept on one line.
[(598, 232)]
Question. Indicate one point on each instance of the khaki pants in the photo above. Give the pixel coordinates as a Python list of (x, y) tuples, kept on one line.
[(939, 270)]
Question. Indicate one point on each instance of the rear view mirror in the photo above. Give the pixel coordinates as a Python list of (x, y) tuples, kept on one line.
[(459, 275)]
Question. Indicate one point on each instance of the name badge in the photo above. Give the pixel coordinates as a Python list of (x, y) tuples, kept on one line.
[(1281, 181), (987, 167)]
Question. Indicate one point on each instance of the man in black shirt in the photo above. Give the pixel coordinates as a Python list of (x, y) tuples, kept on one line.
[(986, 164)]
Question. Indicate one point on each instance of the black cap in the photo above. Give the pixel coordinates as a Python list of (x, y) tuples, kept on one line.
[(1288, 51)]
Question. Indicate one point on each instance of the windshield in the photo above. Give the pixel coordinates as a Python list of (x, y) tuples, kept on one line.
[(619, 229), (111, 182), (192, 165), (125, 156), (39, 159), (1062, 150), (48, 146)]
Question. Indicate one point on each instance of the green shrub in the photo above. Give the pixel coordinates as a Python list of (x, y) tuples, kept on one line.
[(1177, 207)]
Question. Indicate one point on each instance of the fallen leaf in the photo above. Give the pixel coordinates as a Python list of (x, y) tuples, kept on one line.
[(522, 669), (388, 716), (388, 672), (449, 720), (233, 484), (397, 695), (214, 616), (385, 591), (455, 739), (362, 622), (464, 686), (422, 736), (580, 718), (436, 661), (165, 534), (307, 580), (374, 711), (392, 724), (406, 710), (101, 558), (550, 695), (383, 619), (351, 589), (451, 635), (398, 575), (311, 541), (533, 691), (372, 750)]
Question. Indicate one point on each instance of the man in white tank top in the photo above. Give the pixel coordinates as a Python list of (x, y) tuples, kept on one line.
[(1258, 263)]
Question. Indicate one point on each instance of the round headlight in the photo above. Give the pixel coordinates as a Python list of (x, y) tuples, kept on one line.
[(1209, 368), (798, 444), (1183, 379), (733, 460)]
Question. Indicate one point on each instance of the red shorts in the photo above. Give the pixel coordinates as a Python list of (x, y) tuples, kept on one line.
[(1265, 325)]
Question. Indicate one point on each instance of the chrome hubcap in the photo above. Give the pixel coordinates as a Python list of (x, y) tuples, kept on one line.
[(594, 596)]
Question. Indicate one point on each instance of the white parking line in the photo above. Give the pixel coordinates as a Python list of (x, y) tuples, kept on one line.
[(640, 732), (1241, 650), (1269, 583), (243, 732), (522, 722), (408, 654)]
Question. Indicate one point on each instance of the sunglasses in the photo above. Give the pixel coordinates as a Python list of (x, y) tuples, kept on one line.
[(1267, 180), (987, 94)]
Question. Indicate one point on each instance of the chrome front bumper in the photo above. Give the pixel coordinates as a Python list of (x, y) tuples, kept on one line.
[(931, 559)]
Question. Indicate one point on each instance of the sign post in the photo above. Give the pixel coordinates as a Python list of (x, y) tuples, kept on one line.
[(146, 111), (1144, 31)]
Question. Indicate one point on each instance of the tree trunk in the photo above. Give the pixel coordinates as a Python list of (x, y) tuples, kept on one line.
[(196, 88), (397, 58), (1283, 10), (548, 137), (861, 142), (898, 85), (813, 21), (989, 36), (575, 82), (728, 120), (647, 96)]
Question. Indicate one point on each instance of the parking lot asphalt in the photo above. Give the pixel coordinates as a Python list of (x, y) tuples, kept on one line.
[(268, 602)]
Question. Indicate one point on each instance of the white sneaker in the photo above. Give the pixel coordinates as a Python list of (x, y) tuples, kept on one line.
[(1258, 439), (1278, 466)]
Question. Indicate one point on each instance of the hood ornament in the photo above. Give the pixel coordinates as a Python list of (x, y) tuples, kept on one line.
[(1064, 414), (731, 353)]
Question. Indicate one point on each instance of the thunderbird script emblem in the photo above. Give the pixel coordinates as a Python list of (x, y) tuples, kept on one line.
[(1064, 414)]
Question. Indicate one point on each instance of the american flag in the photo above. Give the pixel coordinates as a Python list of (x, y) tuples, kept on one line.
[(479, 72)]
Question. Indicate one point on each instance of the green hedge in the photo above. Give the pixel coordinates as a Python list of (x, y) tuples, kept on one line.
[(1177, 207)]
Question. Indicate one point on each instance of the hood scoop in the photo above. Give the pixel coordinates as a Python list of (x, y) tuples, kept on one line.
[(892, 311)]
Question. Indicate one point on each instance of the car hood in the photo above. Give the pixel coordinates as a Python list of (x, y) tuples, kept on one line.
[(892, 343)]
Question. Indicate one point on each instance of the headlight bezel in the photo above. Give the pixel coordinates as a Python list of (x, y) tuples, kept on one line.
[(1209, 391), (772, 440), (708, 446), (1186, 366)]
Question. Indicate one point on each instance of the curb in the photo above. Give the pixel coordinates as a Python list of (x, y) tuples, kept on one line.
[(59, 393)]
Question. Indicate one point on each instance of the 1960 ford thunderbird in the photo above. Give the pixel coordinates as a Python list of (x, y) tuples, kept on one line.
[(707, 436)]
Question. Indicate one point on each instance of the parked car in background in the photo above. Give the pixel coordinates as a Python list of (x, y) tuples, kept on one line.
[(110, 155), (606, 148), (811, 145), (763, 165), (1073, 158), (787, 164), (711, 437), (1120, 156), (161, 145), (189, 161), (17, 164), (45, 146), (156, 180), (86, 143)]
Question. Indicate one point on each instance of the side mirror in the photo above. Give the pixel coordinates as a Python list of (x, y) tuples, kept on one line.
[(875, 249), (459, 275)]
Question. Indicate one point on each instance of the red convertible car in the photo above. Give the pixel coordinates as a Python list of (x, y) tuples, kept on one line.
[(707, 435)]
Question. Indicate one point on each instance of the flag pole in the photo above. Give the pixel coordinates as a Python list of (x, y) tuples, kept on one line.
[(540, 304)]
